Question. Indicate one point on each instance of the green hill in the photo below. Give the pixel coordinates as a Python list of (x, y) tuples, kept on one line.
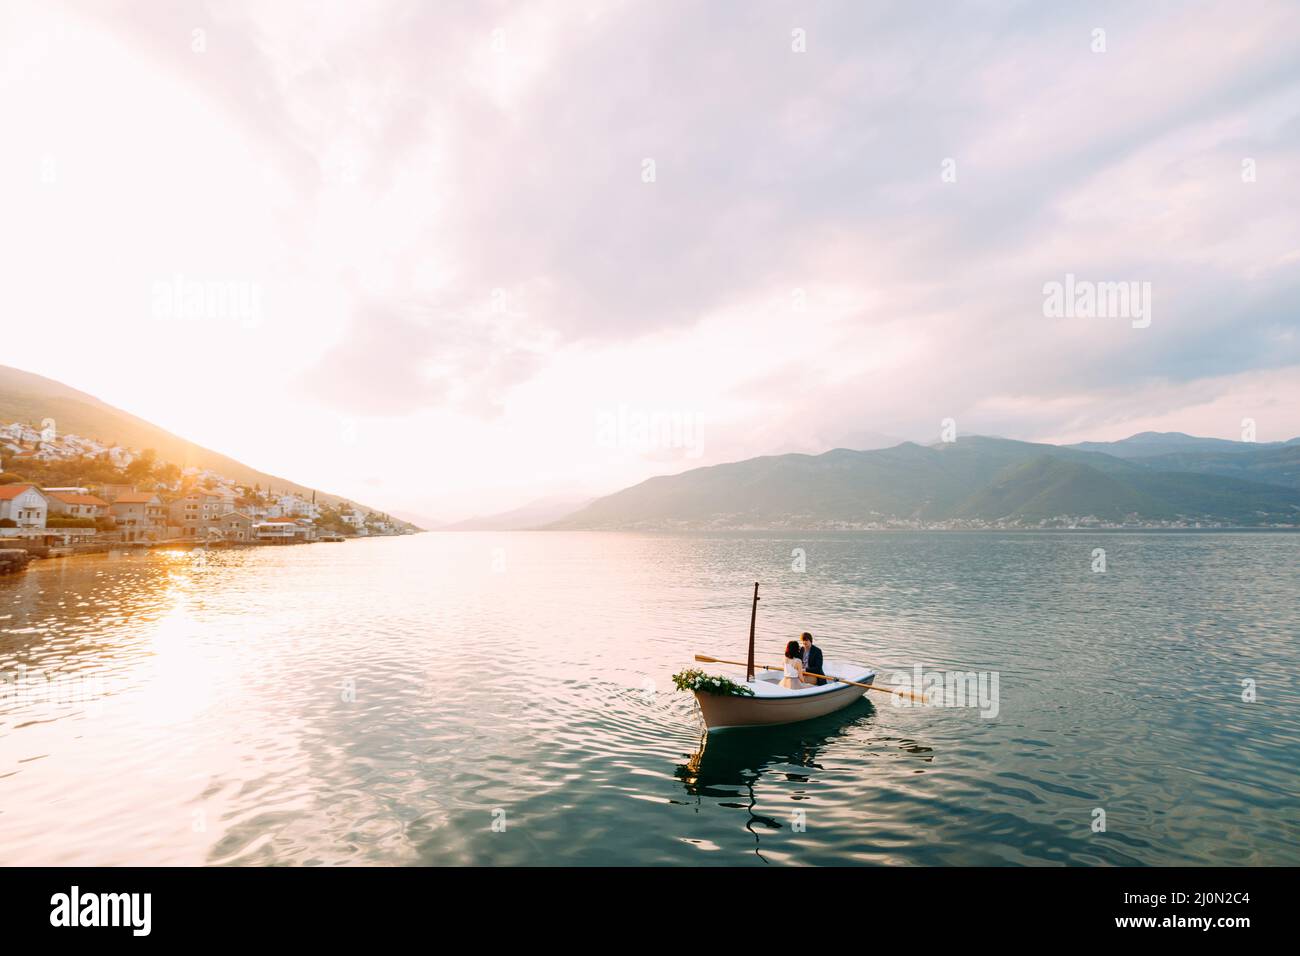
[(1273, 463), (29, 398), (1278, 464), (1047, 487)]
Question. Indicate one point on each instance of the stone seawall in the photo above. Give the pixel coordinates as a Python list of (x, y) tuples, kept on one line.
[(13, 559)]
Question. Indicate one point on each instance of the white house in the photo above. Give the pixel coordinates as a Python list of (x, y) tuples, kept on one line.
[(292, 506), (23, 510)]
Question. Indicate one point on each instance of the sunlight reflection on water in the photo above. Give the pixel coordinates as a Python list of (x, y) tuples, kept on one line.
[(387, 701)]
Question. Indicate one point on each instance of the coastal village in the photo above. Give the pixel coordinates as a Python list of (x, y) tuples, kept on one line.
[(105, 497)]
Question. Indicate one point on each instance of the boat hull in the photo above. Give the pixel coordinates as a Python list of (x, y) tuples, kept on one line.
[(731, 712)]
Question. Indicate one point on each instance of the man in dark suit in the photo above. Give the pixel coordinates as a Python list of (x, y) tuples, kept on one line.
[(812, 657)]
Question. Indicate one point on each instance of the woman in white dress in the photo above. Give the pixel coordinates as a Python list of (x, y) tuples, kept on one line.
[(793, 678)]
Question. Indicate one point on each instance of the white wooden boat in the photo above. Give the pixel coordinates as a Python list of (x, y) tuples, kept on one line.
[(773, 704)]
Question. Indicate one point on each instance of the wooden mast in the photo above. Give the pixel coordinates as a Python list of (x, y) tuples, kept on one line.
[(753, 617)]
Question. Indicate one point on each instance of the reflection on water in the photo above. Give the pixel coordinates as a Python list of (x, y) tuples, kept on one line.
[(732, 764), (506, 699)]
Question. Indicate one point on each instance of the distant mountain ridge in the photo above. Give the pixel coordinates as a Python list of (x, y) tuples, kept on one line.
[(26, 397), (1150, 444), (534, 514), (1273, 463), (972, 482)]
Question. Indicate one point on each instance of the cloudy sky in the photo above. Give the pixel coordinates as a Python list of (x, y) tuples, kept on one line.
[(449, 258)]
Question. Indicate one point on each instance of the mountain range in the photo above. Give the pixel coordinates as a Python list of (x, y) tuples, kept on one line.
[(1162, 479)]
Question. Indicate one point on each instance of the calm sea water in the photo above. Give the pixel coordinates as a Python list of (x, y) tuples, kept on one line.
[(505, 699)]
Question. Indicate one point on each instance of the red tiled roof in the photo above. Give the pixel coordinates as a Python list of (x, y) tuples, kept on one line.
[(134, 498), (68, 498), (10, 492)]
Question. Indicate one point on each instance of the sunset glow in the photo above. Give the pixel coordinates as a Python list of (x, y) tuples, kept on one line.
[(408, 268)]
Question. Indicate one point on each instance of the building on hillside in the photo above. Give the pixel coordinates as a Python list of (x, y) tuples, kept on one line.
[(229, 497), (24, 457), (75, 503), (354, 519), (198, 511), (140, 516), (236, 526), (17, 433), (23, 510), (292, 506)]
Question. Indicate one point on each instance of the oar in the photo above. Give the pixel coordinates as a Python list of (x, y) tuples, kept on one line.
[(768, 667)]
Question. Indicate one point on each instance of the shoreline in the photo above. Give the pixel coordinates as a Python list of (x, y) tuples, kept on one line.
[(37, 560)]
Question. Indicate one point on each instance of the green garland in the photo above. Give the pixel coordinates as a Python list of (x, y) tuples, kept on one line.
[(695, 679)]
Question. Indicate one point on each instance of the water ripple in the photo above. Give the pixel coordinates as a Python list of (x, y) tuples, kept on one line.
[(505, 699)]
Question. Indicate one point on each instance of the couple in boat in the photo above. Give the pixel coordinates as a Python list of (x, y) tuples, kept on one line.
[(801, 659)]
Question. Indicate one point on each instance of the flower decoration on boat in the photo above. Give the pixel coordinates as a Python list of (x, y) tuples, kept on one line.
[(695, 679)]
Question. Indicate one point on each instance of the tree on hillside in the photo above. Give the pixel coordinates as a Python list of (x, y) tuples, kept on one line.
[(167, 474), (142, 468), (331, 520)]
